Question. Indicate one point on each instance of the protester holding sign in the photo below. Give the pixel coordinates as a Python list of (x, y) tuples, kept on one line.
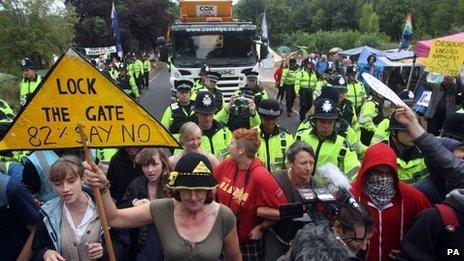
[(191, 226), (442, 102), (70, 228)]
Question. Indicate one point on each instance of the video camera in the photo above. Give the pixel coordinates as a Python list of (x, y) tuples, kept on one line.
[(318, 203)]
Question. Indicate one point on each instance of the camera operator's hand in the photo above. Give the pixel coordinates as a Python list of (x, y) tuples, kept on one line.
[(229, 105), (393, 253), (256, 233), (252, 107)]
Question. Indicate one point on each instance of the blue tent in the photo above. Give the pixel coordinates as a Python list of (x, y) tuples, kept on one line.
[(359, 50)]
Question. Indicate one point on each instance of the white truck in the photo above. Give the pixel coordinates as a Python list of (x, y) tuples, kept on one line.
[(207, 34)]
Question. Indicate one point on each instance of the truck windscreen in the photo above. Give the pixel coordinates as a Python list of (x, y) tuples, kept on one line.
[(213, 47)]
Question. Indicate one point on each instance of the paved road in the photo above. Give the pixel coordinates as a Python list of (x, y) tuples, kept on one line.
[(157, 97)]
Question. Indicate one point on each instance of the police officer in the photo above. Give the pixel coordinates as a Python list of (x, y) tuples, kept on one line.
[(373, 111), (275, 140), (240, 112), (210, 85), (200, 83), (305, 84), (252, 86), (138, 70), (146, 71), (411, 164), (323, 138), (382, 131), (30, 81), (127, 82), (181, 111), (342, 126), (6, 113), (355, 89), (287, 81), (344, 105), (216, 136)]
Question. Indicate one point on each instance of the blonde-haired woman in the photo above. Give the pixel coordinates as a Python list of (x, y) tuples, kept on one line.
[(190, 139)]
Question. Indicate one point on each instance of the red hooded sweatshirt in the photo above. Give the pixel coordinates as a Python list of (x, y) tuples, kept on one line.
[(396, 218)]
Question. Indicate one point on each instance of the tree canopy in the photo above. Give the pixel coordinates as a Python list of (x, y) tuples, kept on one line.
[(29, 28), (140, 21), (385, 18)]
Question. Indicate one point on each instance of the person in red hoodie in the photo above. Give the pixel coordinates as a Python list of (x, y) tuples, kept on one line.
[(392, 203), (246, 186)]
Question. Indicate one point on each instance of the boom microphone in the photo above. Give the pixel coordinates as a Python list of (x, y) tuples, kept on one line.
[(337, 183)]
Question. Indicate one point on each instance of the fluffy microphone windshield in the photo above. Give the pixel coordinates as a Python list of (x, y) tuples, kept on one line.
[(334, 178)]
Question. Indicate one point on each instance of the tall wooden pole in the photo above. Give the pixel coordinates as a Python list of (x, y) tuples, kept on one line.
[(98, 200)]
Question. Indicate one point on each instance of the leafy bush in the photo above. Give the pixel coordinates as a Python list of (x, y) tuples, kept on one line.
[(325, 40), (9, 90)]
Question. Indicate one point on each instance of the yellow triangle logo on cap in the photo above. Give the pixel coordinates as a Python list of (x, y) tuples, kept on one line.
[(201, 168)]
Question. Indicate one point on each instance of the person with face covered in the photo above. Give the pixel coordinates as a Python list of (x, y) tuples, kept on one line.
[(392, 203)]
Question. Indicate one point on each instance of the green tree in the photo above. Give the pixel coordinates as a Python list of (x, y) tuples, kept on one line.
[(391, 16), (368, 20), (319, 20), (29, 28), (249, 10)]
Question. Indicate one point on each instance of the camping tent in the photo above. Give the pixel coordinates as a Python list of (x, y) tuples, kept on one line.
[(422, 48), (359, 50)]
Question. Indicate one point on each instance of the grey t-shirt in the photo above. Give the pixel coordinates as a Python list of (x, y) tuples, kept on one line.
[(177, 248)]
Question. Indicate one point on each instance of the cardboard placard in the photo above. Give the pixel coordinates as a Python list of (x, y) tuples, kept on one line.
[(75, 92)]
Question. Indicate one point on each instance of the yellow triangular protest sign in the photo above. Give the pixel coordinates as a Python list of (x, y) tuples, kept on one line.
[(75, 92)]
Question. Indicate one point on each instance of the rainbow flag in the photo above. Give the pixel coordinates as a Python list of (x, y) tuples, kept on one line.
[(407, 33)]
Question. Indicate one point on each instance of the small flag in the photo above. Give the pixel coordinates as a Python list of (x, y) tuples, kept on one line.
[(407, 33), (265, 33), (115, 26)]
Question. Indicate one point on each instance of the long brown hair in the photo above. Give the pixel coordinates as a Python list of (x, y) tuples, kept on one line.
[(145, 157)]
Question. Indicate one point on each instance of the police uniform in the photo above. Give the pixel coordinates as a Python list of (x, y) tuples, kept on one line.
[(198, 84), (411, 163), (334, 149), (6, 113), (369, 118), (239, 115), (217, 94), (382, 131), (287, 81), (146, 72), (305, 84), (216, 139), (138, 72), (27, 86), (273, 145), (176, 114), (355, 90), (127, 82)]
